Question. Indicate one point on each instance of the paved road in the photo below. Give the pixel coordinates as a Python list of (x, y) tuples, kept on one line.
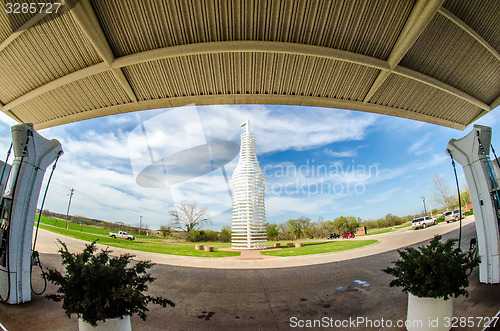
[(265, 298), (47, 243)]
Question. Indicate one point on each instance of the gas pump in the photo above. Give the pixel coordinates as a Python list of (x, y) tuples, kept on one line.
[(33, 154), (5, 171), (472, 152), (3, 182)]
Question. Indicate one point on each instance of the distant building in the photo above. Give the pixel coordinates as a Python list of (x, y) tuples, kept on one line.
[(361, 231)]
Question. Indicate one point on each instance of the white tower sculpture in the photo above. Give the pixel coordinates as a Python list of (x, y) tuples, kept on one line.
[(248, 185)]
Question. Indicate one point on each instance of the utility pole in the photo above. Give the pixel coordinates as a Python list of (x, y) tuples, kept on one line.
[(69, 205), (140, 225)]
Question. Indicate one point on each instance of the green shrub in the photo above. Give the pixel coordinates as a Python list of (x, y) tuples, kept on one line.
[(97, 287), (436, 270), (202, 235), (194, 236), (210, 235), (469, 212), (272, 232), (225, 235)]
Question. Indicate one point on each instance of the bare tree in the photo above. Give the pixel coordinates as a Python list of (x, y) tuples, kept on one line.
[(187, 216), (442, 193)]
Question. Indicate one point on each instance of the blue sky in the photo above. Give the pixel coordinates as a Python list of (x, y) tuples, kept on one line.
[(318, 162)]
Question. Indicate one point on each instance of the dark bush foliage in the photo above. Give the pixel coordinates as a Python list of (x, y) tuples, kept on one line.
[(97, 287), (436, 270)]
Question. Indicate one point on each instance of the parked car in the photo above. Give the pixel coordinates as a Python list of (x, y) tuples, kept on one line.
[(333, 236), (423, 222), (453, 216), (122, 235), (348, 235)]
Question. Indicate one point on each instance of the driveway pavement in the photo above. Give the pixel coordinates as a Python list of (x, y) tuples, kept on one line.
[(387, 242), (262, 296)]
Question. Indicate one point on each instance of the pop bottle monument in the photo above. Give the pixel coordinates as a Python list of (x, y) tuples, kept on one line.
[(248, 185)]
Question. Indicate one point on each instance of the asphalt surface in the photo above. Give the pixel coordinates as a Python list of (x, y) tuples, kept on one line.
[(47, 243), (268, 298)]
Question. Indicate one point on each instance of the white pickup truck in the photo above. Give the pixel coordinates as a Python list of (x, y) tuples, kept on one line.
[(122, 235), (423, 222)]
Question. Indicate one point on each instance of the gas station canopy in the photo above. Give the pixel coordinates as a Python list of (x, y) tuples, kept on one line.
[(432, 61)]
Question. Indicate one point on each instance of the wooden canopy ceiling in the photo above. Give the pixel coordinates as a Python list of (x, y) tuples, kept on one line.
[(432, 61)]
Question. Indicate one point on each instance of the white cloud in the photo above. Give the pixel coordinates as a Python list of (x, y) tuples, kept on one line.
[(331, 153), (490, 119), (433, 161), (421, 146), (382, 197), (103, 157), (211, 190), (102, 145), (296, 128), (7, 120), (282, 205)]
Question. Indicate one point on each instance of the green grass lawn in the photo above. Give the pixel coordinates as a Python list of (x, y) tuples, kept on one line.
[(309, 248), (82, 228), (90, 233), (139, 245), (71, 226), (406, 225), (386, 230), (207, 243)]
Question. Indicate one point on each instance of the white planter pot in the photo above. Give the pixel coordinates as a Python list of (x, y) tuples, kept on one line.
[(429, 313), (112, 324)]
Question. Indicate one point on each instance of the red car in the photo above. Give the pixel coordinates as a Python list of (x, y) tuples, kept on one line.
[(348, 235)]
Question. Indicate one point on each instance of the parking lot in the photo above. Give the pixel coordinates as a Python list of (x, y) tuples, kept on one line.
[(264, 298)]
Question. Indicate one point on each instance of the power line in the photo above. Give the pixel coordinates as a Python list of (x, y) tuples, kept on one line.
[(140, 226), (69, 205), (107, 205), (114, 208), (94, 199)]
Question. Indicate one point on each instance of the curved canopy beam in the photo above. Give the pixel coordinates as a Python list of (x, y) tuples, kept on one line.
[(427, 60), (244, 47)]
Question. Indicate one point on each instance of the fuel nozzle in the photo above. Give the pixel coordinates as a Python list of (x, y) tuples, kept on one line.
[(35, 259)]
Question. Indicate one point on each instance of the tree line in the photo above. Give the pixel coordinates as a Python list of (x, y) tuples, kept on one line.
[(305, 228), (187, 219)]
